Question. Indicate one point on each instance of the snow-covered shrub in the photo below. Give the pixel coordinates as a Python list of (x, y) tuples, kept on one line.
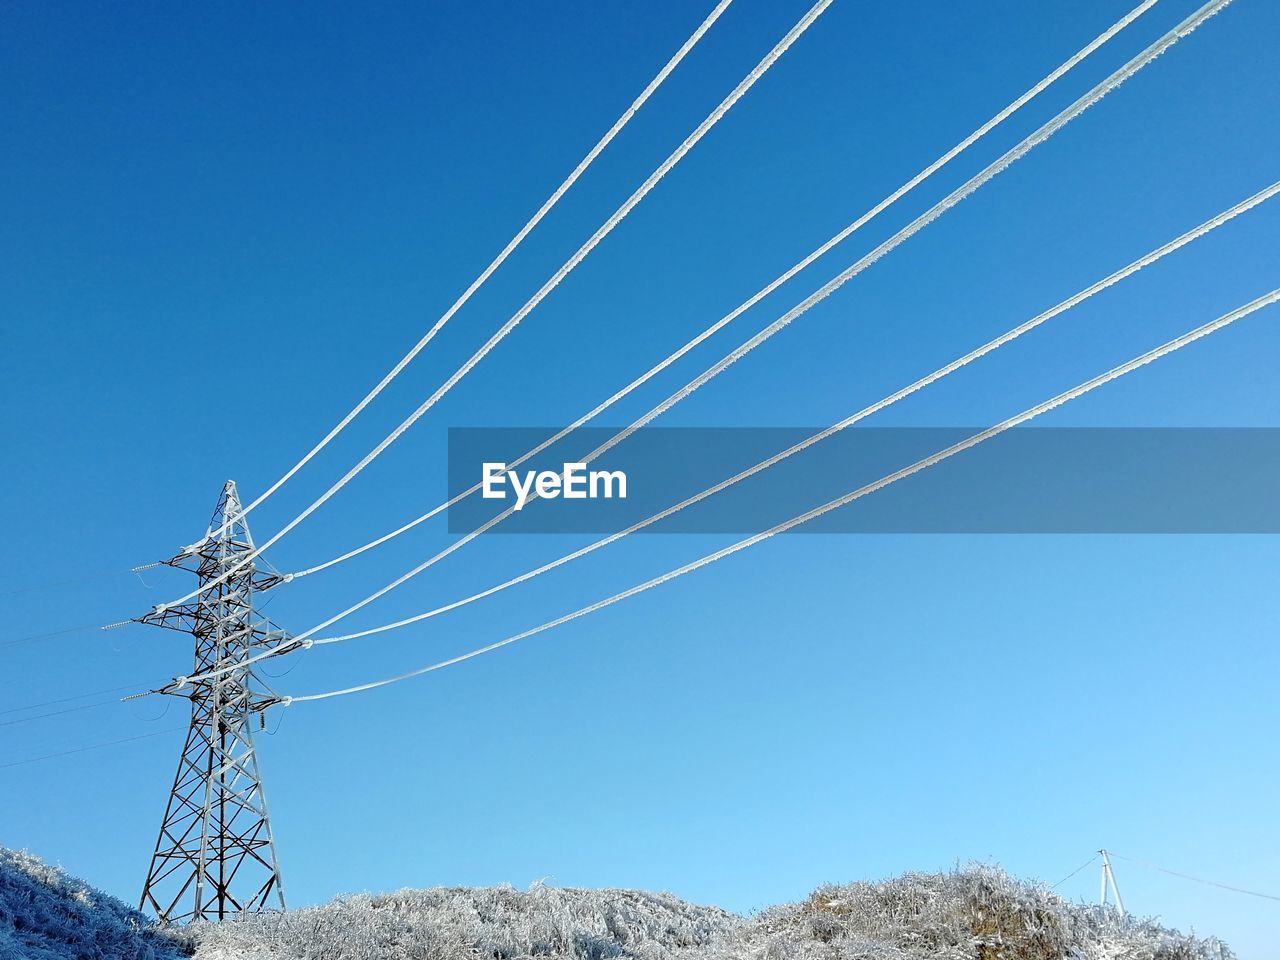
[(47, 915), (496, 923), (978, 913)]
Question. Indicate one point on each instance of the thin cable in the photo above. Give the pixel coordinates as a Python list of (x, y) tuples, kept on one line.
[(58, 713), (1187, 876), (78, 696), (1030, 414), (933, 213), (71, 581), (168, 702), (605, 229), (279, 724), (273, 676), (92, 746), (989, 347), (86, 578), (771, 287), (515, 241), (53, 633), (1092, 859)]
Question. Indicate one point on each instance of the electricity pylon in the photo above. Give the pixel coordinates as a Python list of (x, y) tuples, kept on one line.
[(215, 856)]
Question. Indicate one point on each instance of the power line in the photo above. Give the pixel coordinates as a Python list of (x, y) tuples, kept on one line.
[(604, 230), (58, 713), (85, 749), (920, 465), (78, 696), (72, 581), (49, 634), (1074, 872), (304, 639), (512, 244), (1039, 136), (742, 308), (989, 347), (1187, 876)]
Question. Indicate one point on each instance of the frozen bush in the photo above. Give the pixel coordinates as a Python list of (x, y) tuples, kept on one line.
[(47, 915)]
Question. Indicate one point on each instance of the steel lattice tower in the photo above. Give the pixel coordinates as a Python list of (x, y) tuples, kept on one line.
[(215, 856)]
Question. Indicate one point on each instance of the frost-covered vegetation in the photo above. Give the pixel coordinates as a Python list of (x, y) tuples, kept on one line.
[(47, 915), (973, 914), (491, 922)]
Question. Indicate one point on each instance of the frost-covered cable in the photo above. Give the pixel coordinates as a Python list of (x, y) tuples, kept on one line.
[(975, 354), (497, 261), (617, 217), (742, 308), (966, 189), (972, 441)]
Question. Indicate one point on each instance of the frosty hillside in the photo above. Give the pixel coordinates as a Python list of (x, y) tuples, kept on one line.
[(47, 915), (974, 914)]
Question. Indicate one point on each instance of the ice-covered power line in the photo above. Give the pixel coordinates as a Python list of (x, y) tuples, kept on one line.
[(607, 227), (773, 285), (965, 190), (506, 251), (944, 371), (1005, 338), (1114, 373)]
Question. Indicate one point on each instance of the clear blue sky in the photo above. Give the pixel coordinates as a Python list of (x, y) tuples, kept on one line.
[(219, 225)]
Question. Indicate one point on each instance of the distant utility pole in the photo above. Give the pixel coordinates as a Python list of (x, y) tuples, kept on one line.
[(1109, 880), (215, 856)]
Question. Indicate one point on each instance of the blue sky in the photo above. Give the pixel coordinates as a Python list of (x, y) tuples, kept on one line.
[(221, 225)]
